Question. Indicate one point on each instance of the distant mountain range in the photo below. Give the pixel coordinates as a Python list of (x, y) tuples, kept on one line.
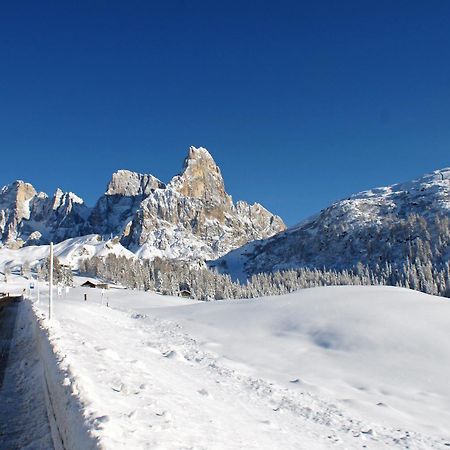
[(395, 224), (192, 217)]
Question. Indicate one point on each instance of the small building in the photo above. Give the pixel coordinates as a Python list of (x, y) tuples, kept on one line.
[(92, 284), (184, 293), (184, 290)]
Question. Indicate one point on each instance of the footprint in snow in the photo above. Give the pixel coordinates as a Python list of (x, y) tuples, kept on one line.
[(99, 421), (173, 354), (108, 352), (117, 387), (164, 414), (270, 424), (204, 392), (124, 389)]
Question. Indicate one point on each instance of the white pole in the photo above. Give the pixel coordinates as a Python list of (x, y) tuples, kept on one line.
[(37, 287), (50, 284)]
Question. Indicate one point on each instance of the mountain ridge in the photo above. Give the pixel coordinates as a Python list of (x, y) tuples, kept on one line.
[(375, 226), (190, 217)]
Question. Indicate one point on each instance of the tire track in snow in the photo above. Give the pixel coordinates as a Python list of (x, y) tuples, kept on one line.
[(23, 414), (8, 316)]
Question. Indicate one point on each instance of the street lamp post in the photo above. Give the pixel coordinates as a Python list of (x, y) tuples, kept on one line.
[(50, 284)]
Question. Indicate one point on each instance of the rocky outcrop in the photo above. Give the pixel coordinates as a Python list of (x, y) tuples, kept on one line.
[(14, 208), (30, 217), (56, 218), (116, 208), (201, 179)]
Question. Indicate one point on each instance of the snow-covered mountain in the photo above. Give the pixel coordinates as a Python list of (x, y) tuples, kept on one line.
[(387, 224), (116, 208), (192, 217), (30, 217)]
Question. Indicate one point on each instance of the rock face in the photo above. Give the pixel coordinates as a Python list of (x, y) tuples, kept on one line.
[(29, 217), (388, 224), (14, 208), (192, 217), (123, 196)]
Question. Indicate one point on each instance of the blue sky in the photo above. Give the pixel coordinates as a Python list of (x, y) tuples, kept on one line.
[(300, 103)]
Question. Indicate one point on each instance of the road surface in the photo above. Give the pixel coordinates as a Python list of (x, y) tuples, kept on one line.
[(23, 413)]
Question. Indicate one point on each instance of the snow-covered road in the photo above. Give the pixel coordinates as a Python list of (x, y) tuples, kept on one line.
[(322, 368), (23, 414)]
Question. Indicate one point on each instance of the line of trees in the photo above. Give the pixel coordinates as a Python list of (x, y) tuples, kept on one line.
[(335, 242), (171, 277), (61, 274)]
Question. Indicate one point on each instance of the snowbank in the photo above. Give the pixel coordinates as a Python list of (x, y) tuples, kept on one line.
[(70, 425)]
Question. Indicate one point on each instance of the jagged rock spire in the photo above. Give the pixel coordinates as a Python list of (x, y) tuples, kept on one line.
[(201, 179)]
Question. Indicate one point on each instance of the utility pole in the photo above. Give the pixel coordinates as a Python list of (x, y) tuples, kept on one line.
[(50, 284), (37, 287)]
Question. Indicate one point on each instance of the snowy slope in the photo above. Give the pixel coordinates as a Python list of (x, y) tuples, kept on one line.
[(69, 252), (339, 367), (373, 227)]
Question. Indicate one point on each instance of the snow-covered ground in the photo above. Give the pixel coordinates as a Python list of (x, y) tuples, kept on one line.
[(338, 367), (69, 252), (23, 409)]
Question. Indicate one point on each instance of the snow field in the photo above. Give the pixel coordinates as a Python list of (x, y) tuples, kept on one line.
[(344, 367), (152, 389)]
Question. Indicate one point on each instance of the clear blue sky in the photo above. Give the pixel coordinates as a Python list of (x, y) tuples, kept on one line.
[(300, 103)]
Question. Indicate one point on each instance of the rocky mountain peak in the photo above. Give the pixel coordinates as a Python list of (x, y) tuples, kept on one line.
[(65, 199), (28, 216), (131, 184), (57, 197), (201, 178), (16, 197), (18, 191), (194, 217), (198, 154)]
